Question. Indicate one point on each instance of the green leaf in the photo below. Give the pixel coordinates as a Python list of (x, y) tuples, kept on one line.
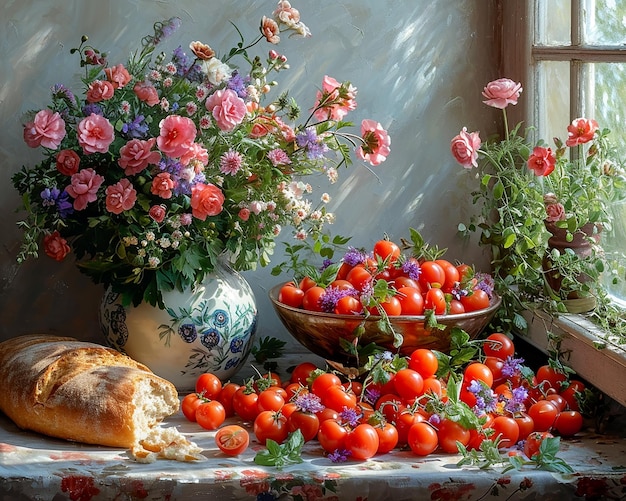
[(279, 455)]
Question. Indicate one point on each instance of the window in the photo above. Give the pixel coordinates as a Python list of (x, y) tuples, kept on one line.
[(571, 56)]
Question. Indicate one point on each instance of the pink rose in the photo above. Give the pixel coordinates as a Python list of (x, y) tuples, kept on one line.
[(581, 131), (68, 162), (555, 212), (55, 246), (95, 134), (335, 100), (100, 90), (541, 161), (502, 92), (147, 93), (285, 13), (195, 152), (227, 108), (270, 30), (376, 142), (157, 212), (162, 185), (84, 187), (176, 136), (137, 154), (206, 200), (47, 130), (244, 214), (464, 148), (118, 76), (121, 196)]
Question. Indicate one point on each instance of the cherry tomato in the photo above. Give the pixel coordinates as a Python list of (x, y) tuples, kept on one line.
[(291, 295), (498, 345), (496, 365), (362, 442), (332, 435), (408, 383), (302, 372), (553, 377), (327, 413), (451, 273), (435, 300), (424, 361), (359, 277), (343, 271), (311, 299), (307, 422), (569, 394), (337, 397), (477, 371), (422, 439), (387, 250), (525, 424), (324, 381), (209, 385), (232, 439), (533, 442), (433, 386), (272, 425), (190, 404), (210, 415), (270, 400), (390, 405), (404, 421), (392, 307), (432, 275), (306, 283), (451, 432), (245, 404), (348, 305), (544, 414), (477, 300), (341, 284), (411, 301), (387, 437), (568, 423), (456, 307), (403, 281), (506, 429), (226, 397), (557, 400)]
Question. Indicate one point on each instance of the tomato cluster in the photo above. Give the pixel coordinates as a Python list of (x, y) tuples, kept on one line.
[(412, 286), (408, 407)]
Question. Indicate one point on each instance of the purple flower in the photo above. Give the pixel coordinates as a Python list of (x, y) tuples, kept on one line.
[(371, 395), (331, 295), (434, 419), (325, 264), (339, 456), (354, 256), (309, 141), (412, 269), (349, 416), (64, 205), (512, 366), (238, 84), (136, 128), (90, 108), (59, 91), (516, 402), (485, 283), (53, 197), (49, 197), (309, 402)]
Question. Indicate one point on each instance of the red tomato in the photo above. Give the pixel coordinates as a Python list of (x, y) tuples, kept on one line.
[(569, 394), (302, 372), (311, 299), (245, 404), (525, 424), (337, 397), (359, 277), (327, 413), (466, 272), (392, 307), (435, 300), (456, 307), (226, 397), (533, 442), (451, 273), (306, 283), (209, 385), (496, 365), (411, 301), (343, 271), (307, 422), (449, 433), (433, 385), (270, 400), (422, 439), (476, 371), (543, 413), (403, 281), (506, 429), (424, 361), (387, 250), (568, 423), (324, 381), (348, 305), (331, 435), (387, 437), (477, 300), (291, 295), (498, 345), (341, 284), (272, 425), (404, 421), (551, 375), (210, 415), (432, 275), (190, 404), (232, 439), (390, 405), (408, 383), (362, 442), (557, 400)]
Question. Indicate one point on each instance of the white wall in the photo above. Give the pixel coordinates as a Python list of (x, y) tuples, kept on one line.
[(419, 66)]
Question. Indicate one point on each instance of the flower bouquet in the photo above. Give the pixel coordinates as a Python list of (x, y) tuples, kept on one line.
[(526, 187), (165, 163)]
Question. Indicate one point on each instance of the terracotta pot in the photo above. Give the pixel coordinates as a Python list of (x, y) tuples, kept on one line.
[(582, 245)]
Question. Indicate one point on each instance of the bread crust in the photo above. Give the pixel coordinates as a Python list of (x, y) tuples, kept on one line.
[(65, 388)]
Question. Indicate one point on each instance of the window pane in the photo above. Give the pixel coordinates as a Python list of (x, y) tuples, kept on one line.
[(604, 23), (553, 22), (609, 97), (553, 100)]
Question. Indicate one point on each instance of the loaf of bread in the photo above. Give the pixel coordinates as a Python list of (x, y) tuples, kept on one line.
[(84, 392)]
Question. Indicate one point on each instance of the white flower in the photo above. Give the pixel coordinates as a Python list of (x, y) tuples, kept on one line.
[(153, 261), (216, 71), (325, 198)]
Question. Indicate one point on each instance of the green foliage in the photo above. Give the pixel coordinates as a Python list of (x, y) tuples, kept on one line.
[(280, 455)]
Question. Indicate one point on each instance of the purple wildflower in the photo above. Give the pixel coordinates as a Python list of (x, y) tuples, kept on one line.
[(53, 197), (331, 295), (371, 395), (325, 264), (512, 366), (309, 402), (306, 137), (412, 269), (49, 196), (94, 108), (238, 84), (185, 65), (339, 456), (486, 399), (136, 128), (165, 29), (434, 419), (309, 141), (485, 282), (349, 416), (64, 205), (354, 256), (458, 293), (59, 91), (516, 402)]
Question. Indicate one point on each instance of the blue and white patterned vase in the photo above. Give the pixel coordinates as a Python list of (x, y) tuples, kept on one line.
[(209, 329)]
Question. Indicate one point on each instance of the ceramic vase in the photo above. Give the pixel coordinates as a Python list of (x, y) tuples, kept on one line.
[(208, 329)]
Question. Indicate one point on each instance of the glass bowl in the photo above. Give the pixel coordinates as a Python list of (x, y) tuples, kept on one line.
[(321, 332)]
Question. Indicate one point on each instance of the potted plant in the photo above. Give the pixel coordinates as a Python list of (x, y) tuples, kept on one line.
[(531, 197)]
